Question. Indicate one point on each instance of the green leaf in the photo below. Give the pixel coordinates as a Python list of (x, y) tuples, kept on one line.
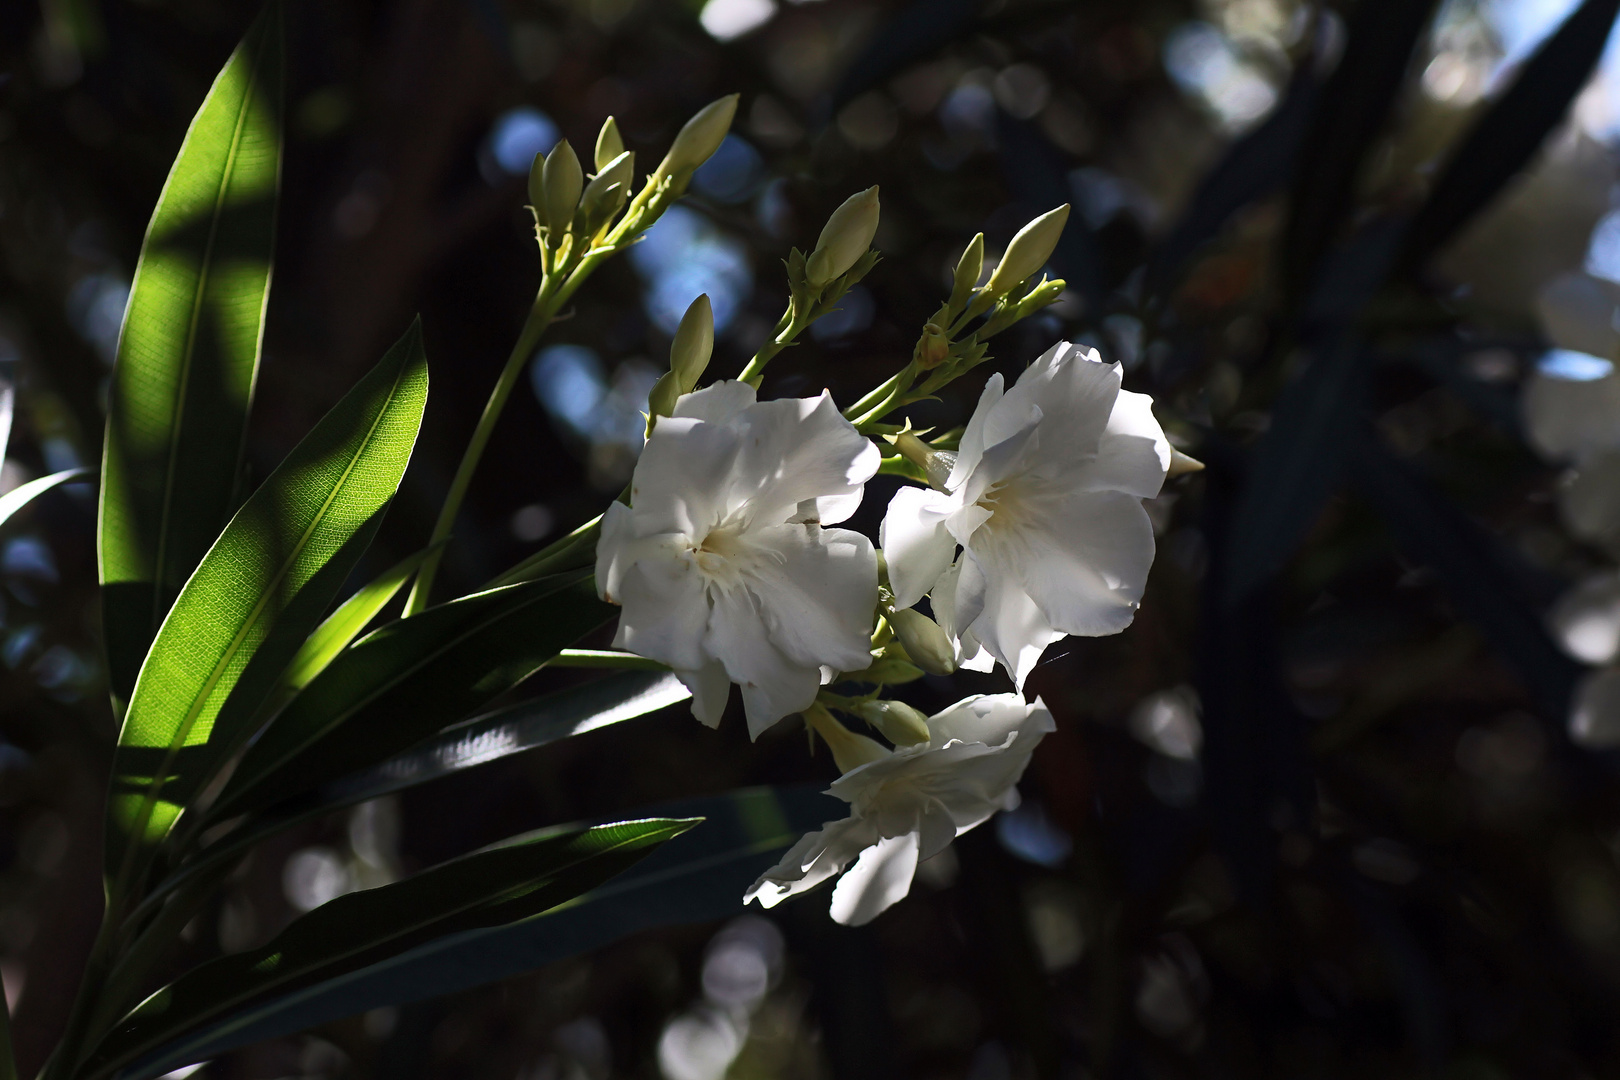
[(255, 597), (515, 880), (409, 680), (345, 624), (23, 494), (188, 355), (698, 877), (514, 729)]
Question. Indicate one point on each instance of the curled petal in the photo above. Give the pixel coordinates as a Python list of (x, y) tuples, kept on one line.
[(816, 857), (710, 686), (880, 878), (1133, 455), (915, 542), (794, 449)]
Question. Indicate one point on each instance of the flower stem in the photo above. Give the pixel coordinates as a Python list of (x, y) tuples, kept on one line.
[(754, 373)]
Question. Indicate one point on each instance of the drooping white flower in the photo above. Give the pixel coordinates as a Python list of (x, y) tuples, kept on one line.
[(1045, 499), (909, 804), (721, 562)]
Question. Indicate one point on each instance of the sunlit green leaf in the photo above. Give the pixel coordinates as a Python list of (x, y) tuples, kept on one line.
[(255, 597), (189, 352)]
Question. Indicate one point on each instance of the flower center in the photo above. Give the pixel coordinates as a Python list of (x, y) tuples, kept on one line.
[(1002, 499), (723, 556)]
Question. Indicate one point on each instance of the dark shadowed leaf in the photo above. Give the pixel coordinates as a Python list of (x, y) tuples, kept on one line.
[(1510, 132), (408, 681), (515, 880), (188, 355), (694, 878), (254, 598)]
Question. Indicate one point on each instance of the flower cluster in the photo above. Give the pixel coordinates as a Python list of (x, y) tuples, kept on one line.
[(1026, 527)]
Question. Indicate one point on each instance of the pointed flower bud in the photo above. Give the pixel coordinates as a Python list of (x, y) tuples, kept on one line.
[(935, 464), (887, 671), (564, 180), (1181, 464), (608, 190), (968, 269), (608, 144), (896, 721), (925, 642), (849, 750), (1028, 251), (700, 137), (845, 238), (694, 343), (661, 398), (537, 188)]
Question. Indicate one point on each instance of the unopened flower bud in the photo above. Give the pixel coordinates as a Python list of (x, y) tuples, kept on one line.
[(608, 144), (537, 188), (887, 671), (564, 180), (932, 347), (694, 343), (968, 269), (661, 398), (849, 750), (700, 137), (607, 192), (1180, 464), (845, 238), (1041, 295), (896, 721), (1028, 251), (925, 641)]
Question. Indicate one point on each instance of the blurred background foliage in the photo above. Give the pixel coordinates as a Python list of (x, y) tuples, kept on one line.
[(1315, 814)]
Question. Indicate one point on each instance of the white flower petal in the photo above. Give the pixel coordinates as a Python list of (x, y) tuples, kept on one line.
[(1594, 721), (664, 612), (772, 684), (717, 403), (816, 857), (984, 718), (817, 603), (1586, 620), (970, 448), (1085, 561), (915, 542), (1012, 627), (799, 448), (1074, 391), (683, 482), (1133, 455), (880, 878), (710, 686)]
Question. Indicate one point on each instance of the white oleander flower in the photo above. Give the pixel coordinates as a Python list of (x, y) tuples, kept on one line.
[(909, 804), (1045, 498), (721, 562)]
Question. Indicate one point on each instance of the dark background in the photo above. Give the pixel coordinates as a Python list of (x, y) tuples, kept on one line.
[(1379, 854)]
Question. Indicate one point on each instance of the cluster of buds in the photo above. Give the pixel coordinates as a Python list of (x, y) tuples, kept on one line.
[(573, 217)]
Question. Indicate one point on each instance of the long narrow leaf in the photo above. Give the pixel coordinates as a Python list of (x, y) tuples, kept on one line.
[(188, 354), (513, 881), (23, 494), (1510, 132), (694, 878), (408, 681), (256, 596), (527, 725)]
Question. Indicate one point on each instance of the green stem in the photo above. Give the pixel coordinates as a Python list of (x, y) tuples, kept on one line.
[(546, 305), (754, 373)]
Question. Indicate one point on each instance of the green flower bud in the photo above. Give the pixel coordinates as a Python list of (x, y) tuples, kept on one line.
[(896, 721), (608, 144), (925, 642), (607, 192), (1028, 251), (935, 464), (1041, 295), (564, 180), (1181, 464), (661, 398), (968, 269), (694, 343), (700, 137), (844, 239), (537, 188), (849, 750), (887, 671)]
